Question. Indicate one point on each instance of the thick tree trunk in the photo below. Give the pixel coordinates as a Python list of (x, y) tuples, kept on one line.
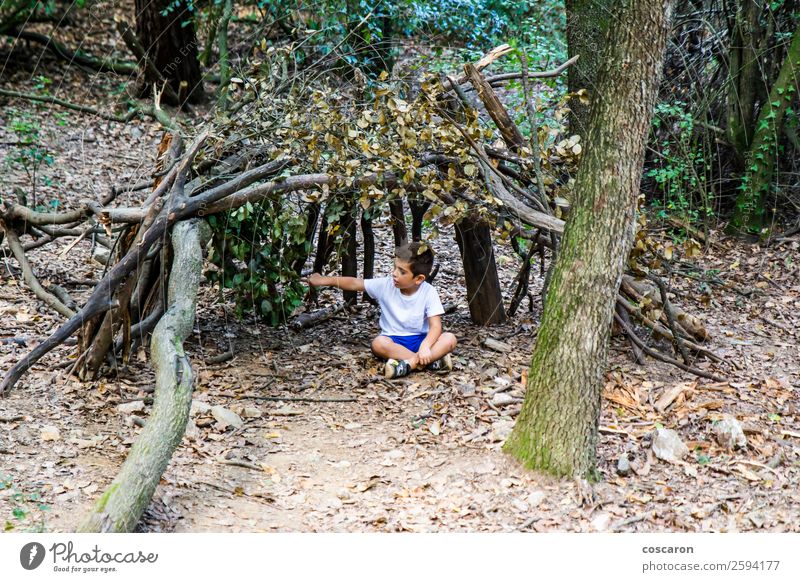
[(558, 426), (745, 75), (587, 26), (121, 506), (484, 293), (171, 44), (752, 202)]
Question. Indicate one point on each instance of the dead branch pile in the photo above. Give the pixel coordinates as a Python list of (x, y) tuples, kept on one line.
[(293, 138)]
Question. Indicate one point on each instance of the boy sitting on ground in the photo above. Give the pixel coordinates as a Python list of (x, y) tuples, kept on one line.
[(411, 313)]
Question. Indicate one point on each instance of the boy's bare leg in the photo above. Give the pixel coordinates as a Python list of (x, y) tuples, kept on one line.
[(444, 345), (384, 347)]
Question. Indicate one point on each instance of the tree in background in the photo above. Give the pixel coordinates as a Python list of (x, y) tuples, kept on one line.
[(753, 203), (587, 25), (165, 28), (557, 428)]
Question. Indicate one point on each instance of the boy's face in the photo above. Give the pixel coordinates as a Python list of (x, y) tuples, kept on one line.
[(403, 277)]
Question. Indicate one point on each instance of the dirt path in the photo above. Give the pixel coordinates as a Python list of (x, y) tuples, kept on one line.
[(423, 453)]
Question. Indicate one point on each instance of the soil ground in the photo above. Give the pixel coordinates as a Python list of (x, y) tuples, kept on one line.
[(421, 453)]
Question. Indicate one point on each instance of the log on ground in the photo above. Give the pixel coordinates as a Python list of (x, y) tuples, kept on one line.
[(122, 504)]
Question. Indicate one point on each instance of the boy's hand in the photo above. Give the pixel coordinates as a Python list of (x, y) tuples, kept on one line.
[(315, 279), (425, 356)]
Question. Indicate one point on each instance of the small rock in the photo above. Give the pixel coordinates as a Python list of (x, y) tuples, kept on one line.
[(496, 345), (667, 445), (501, 399), (192, 432), (199, 407), (729, 433), (50, 433), (501, 430), (623, 466), (226, 418), (775, 461), (467, 389), (600, 523), (131, 407), (535, 498), (757, 519), (520, 506), (252, 412)]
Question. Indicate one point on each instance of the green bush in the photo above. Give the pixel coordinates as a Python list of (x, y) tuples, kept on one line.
[(255, 248), (679, 167)]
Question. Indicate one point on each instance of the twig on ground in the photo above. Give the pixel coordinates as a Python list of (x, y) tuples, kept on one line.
[(659, 356), (300, 398), (66, 104)]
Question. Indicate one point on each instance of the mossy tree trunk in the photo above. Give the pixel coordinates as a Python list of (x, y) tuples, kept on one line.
[(753, 200), (745, 75), (557, 429), (587, 26), (122, 504)]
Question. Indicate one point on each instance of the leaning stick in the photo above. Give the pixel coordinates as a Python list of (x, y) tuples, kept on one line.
[(659, 356), (29, 277)]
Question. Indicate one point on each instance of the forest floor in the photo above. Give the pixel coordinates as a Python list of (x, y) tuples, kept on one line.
[(421, 453)]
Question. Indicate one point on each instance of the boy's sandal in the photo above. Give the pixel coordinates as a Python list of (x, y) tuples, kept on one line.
[(444, 364), (396, 369)]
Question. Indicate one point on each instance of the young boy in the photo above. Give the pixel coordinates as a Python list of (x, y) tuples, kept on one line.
[(411, 313)]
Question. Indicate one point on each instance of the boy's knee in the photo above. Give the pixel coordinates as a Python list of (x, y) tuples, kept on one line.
[(379, 344), (451, 340)]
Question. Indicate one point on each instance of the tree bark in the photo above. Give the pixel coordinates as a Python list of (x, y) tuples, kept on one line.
[(557, 429), (349, 254), (171, 45), (484, 294), (587, 25), (745, 76), (399, 229), (752, 201), (121, 506)]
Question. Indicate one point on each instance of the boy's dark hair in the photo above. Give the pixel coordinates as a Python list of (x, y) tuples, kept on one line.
[(418, 255)]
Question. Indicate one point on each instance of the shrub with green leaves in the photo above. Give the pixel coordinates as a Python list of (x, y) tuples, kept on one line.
[(255, 248), (679, 167), (27, 509)]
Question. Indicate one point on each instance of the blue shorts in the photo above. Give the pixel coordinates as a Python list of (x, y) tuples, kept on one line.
[(410, 342)]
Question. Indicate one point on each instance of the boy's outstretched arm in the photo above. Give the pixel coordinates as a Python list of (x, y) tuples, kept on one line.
[(345, 283)]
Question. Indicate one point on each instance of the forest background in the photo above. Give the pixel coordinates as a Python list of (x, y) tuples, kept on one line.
[(315, 137)]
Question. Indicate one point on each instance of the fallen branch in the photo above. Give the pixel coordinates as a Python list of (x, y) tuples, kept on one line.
[(62, 52), (299, 399), (28, 276), (121, 506), (659, 356), (306, 320), (68, 105), (98, 302)]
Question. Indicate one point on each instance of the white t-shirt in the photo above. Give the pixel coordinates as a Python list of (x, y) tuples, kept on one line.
[(404, 314)]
